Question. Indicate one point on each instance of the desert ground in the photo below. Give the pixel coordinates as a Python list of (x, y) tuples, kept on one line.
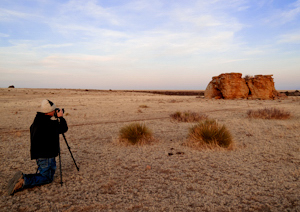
[(261, 173)]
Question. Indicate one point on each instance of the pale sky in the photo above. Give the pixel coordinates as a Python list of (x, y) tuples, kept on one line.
[(147, 44)]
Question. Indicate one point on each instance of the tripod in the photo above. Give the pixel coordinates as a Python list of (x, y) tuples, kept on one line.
[(61, 182)]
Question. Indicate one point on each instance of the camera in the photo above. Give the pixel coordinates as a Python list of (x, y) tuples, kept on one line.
[(57, 110)]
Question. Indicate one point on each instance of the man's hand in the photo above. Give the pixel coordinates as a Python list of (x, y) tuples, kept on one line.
[(60, 113)]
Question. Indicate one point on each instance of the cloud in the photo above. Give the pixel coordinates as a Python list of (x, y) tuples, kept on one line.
[(3, 35), (82, 31), (292, 38), (285, 15), (141, 39), (292, 13), (233, 60), (88, 11), (10, 15), (81, 63), (182, 34), (77, 59), (177, 28), (51, 46), (255, 51)]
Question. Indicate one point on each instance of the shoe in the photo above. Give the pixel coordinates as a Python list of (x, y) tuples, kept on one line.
[(16, 183)]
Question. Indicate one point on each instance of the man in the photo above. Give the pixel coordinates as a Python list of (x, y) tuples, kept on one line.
[(44, 139)]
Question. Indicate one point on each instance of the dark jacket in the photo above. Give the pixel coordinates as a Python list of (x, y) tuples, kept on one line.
[(44, 136)]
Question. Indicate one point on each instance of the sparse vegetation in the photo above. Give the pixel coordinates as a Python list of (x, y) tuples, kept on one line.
[(118, 176), (247, 77), (269, 113), (135, 133), (210, 134), (143, 106), (188, 116)]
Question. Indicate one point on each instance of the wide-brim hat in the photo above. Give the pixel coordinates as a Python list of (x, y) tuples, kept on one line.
[(47, 106)]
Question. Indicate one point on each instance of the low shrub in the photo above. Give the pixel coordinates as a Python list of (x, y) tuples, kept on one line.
[(188, 116), (135, 133), (247, 77), (269, 113), (144, 106), (210, 134)]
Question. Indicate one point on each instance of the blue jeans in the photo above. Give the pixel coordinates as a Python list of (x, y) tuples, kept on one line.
[(44, 175)]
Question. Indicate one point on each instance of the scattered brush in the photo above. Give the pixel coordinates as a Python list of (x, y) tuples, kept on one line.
[(144, 106), (269, 113), (209, 134), (188, 116), (136, 133), (247, 77)]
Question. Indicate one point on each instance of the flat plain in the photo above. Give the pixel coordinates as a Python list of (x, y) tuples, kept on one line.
[(261, 173)]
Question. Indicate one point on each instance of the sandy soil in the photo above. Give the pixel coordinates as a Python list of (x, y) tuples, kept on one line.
[(260, 174)]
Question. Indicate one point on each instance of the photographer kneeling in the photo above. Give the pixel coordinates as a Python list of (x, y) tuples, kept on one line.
[(44, 138)]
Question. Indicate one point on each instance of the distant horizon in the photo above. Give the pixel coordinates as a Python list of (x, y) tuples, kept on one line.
[(281, 87), (99, 89)]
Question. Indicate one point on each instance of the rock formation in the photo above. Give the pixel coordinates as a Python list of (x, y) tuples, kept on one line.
[(261, 87), (233, 86), (227, 86)]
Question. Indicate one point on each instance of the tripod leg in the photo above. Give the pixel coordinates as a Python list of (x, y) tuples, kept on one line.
[(61, 182), (70, 152)]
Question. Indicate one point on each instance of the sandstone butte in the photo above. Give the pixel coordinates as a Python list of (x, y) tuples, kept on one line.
[(233, 86)]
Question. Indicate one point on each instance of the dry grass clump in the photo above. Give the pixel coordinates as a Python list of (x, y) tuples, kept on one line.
[(136, 133), (188, 116), (269, 113), (209, 134)]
